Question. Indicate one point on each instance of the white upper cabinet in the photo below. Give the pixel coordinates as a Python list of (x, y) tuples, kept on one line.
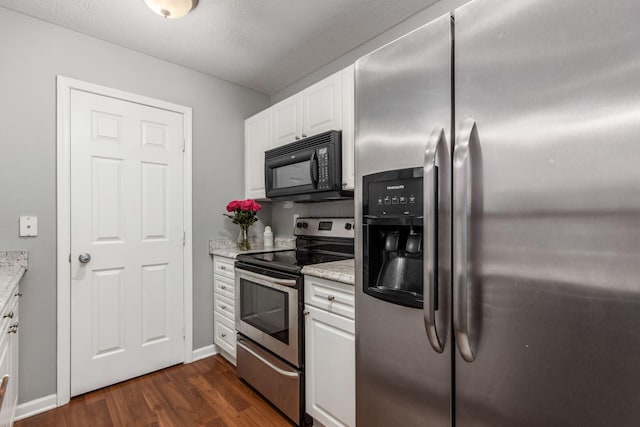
[(316, 109), (322, 106), (326, 105), (286, 120), (257, 139)]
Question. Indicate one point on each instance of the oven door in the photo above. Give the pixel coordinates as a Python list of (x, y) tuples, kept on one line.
[(292, 173), (267, 310)]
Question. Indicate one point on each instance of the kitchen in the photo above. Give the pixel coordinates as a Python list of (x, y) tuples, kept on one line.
[(40, 51)]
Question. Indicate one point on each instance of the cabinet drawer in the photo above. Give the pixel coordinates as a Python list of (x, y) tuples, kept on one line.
[(225, 334), (224, 286), (335, 297), (224, 306), (223, 267)]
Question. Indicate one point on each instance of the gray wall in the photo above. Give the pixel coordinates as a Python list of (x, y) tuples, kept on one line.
[(410, 24), (33, 52)]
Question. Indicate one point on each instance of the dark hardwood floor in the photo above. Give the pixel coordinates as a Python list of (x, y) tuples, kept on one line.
[(204, 393)]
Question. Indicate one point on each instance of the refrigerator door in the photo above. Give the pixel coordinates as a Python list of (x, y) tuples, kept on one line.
[(403, 120), (547, 213)]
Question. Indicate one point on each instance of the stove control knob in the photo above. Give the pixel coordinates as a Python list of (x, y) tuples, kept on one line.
[(305, 225), (348, 226), (299, 225)]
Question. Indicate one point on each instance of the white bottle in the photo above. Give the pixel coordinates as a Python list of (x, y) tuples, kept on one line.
[(268, 237)]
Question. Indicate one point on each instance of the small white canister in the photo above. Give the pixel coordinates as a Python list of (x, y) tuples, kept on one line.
[(268, 237)]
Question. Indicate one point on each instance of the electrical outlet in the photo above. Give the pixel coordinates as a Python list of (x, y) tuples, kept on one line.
[(28, 226)]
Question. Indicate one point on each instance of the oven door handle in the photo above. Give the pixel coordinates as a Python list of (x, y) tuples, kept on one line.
[(266, 362), (290, 283)]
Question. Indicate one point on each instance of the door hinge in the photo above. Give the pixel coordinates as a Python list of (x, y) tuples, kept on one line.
[(69, 258), (184, 145), (184, 238)]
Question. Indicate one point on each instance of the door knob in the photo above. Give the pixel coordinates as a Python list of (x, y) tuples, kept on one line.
[(84, 258)]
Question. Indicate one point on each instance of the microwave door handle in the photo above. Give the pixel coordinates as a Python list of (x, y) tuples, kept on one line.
[(313, 169)]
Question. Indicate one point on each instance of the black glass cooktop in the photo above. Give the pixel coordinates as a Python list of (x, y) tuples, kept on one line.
[(290, 260)]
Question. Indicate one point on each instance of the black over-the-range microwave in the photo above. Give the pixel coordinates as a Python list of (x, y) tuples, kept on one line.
[(307, 170)]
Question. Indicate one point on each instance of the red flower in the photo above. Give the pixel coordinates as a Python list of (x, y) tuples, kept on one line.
[(234, 205), (250, 205), (243, 212)]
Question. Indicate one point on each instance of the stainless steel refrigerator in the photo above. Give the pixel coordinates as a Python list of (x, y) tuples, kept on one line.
[(524, 136)]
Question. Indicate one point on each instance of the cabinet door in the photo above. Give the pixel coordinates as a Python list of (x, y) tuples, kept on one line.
[(257, 139), (348, 126), (13, 358), (322, 106), (225, 335), (286, 120), (6, 409), (330, 368)]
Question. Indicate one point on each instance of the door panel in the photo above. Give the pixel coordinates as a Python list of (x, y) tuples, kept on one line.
[(257, 140), (322, 106), (403, 95), (286, 119), (554, 212), (126, 212), (330, 366)]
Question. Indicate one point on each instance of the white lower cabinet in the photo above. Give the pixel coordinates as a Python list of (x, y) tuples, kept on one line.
[(9, 359), (329, 355), (224, 322)]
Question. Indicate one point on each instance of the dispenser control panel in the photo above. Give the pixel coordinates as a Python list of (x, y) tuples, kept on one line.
[(394, 193)]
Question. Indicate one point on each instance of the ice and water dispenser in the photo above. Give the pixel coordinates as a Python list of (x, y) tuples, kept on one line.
[(393, 236)]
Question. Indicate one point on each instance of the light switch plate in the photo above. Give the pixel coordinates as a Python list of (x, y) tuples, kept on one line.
[(28, 226)]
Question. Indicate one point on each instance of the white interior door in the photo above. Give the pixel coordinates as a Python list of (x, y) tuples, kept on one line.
[(127, 214)]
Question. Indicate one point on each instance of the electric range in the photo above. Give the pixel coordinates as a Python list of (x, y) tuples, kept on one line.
[(269, 310)]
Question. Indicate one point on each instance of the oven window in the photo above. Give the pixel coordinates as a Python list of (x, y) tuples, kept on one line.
[(292, 175), (265, 308)]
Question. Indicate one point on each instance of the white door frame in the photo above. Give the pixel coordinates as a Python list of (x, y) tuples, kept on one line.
[(64, 86)]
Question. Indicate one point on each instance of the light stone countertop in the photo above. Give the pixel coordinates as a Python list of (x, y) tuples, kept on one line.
[(228, 248), (13, 264), (338, 271)]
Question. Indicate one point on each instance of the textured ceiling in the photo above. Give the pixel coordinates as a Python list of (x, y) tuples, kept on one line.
[(262, 44)]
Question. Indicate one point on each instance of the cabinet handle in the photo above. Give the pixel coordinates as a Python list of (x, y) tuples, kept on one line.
[(9, 315), (306, 312), (223, 335), (304, 135), (223, 287), (331, 297), (19, 294), (297, 137), (222, 267), (224, 307), (13, 328)]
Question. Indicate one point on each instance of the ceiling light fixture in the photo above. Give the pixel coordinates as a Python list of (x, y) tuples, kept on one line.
[(172, 8)]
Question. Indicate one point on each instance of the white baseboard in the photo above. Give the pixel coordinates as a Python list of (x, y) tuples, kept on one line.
[(204, 352), (36, 406)]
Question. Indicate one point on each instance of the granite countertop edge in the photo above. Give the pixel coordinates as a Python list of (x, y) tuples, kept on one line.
[(337, 271), (13, 265)]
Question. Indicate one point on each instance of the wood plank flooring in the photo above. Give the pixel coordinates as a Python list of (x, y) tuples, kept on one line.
[(204, 393)]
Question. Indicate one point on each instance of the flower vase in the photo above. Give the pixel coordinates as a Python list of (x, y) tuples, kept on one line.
[(243, 238)]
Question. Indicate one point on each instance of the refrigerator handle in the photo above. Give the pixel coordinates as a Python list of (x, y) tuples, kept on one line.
[(430, 264), (461, 201)]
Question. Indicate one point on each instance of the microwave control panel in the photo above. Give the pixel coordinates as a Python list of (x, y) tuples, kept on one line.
[(323, 169)]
